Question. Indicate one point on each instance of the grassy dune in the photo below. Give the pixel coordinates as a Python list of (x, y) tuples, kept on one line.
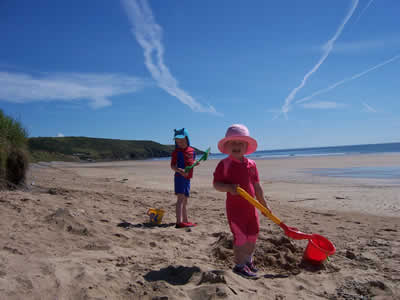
[(13, 151)]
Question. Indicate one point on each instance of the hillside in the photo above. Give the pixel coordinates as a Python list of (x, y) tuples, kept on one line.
[(95, 149)]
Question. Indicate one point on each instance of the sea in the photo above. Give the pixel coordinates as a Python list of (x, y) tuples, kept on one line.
[(320, 151), (386, 172), (389, 172)]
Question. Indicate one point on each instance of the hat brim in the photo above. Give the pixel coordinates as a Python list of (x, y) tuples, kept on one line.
[(251, 143), (180, 136)]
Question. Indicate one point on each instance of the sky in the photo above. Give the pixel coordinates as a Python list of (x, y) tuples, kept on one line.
[(296, 73)]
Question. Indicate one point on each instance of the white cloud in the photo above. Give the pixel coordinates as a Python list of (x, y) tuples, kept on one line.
[(60, 135), (368, 108), (97, 88), (323, 105), (148, 34), (327, 50)]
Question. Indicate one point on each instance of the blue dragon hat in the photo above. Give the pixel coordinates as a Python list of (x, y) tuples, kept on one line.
[(180, 134)]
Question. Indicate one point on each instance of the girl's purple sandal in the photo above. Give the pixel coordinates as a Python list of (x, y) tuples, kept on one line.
[(244, 270)]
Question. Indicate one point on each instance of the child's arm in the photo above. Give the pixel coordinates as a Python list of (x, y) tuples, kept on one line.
[(260, 195), (225, 187), (179, 170), (174, 165)]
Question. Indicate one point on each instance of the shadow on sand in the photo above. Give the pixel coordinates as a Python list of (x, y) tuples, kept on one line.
[(173, 275), (128, 225)]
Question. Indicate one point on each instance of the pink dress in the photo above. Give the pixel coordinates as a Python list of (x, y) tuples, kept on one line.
[(242, 216)]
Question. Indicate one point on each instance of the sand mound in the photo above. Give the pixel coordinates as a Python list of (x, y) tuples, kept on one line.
[(352, 289), (278, 254), (222, 249), (63, 219)]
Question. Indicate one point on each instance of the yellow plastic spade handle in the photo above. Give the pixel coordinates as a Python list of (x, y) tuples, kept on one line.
[(258, 205)]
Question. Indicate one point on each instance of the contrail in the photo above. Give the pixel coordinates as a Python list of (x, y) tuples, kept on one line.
[(327, 50), (148, 34), (348, 79), (362, 12), (368, 108)]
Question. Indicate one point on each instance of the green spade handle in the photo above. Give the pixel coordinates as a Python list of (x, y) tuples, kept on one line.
[(203, 157)]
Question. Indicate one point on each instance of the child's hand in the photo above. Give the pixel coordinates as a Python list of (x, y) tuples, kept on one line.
[(265, 215), (269, 209), (182, 172), (233, 189)]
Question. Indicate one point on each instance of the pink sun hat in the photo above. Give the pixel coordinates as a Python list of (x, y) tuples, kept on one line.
[(238, 132)]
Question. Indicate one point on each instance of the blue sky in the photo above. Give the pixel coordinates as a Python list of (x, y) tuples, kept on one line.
[(297, 73)]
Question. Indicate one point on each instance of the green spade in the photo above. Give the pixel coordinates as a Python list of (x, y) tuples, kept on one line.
[(203, 157)]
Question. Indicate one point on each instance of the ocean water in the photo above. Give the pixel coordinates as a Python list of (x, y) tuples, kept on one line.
[(359, 172), (321, 151), (392, 172)]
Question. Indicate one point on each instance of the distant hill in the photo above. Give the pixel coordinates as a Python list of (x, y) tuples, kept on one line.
[(95, 149)]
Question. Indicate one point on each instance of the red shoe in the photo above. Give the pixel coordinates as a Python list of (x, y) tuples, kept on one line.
[(189, 224), (180, 225)]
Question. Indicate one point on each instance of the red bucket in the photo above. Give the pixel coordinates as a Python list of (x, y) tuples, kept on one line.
[(318, 249)]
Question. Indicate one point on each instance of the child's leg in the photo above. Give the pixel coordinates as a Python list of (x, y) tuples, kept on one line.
[(239, 243), (180, 203), (250, 247), (242, 267), (182, 191), (240, 254), (184, 211), (244, 253), (241, 249), (251, 238)]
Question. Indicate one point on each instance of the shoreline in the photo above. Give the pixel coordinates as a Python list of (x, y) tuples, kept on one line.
[(283, 180)]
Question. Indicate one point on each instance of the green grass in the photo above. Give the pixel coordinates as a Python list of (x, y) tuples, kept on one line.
[(13, 151), (95, 149), (12, 134), (37, 156)]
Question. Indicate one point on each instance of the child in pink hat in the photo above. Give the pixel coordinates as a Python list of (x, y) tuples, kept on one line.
[(231, 172)]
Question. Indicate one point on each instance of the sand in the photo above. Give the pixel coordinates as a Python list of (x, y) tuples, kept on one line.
[(80, 231)]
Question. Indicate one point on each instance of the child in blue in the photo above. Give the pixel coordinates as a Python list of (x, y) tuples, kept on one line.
[(182, 156)]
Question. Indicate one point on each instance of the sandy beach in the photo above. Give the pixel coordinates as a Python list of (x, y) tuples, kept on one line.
[(80, 231)]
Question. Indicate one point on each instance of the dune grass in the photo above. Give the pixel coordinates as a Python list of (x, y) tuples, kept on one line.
[(14, 157)]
